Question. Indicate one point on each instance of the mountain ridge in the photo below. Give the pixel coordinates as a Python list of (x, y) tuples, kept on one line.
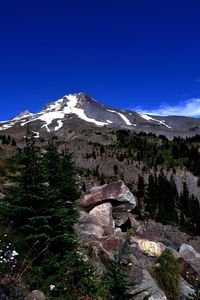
[(81, 110)]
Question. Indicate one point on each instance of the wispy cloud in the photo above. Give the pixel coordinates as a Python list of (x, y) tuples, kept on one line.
[(189, 108)]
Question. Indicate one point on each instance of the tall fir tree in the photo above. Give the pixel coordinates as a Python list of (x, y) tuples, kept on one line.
[(184, 200), (24, 200), (41, 209), (152, 196)]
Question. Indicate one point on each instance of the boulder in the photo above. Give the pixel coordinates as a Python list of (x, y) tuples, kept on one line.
[(150, 248), (103, 214), (108, 247), (190, 262), (117, 193), (188, 252), (88, 225), (35, 295)]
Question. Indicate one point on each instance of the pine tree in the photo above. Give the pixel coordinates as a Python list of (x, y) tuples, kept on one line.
[(140, 187), (62, 193), (152, 196), (116, 280), (24, 200), (184, 200), (167, 200), (41, 209), (195, 214)]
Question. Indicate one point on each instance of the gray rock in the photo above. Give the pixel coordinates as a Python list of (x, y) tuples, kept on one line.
[(185, 289), (88, 225), (117, 193), (103, 214), (35, 295), (190, 261), (151, 287)]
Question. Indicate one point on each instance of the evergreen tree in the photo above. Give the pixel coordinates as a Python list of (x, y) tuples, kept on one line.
[(41, 209), (152, 196), (24, 200), (184, 200), (167, 200), (140, 193), (195, 214), (140, 187), (116, 280), (62, 193)]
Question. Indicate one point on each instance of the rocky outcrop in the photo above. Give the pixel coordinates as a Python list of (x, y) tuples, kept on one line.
[(102, 226), (116, 193)]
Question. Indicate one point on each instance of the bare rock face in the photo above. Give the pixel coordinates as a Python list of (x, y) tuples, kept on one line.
[(103, 214), (88, 225), (150, 285), (117, 193)]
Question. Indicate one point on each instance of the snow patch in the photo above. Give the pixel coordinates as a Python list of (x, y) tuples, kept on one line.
[(54, 105), (60, 124), (148, 118), (49, 117), (122, 116), (71, 108), (6, 126)]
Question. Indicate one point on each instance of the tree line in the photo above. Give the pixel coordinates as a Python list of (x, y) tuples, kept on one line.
[(159, 200)]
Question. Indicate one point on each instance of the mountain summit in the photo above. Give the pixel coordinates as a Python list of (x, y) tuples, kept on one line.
[(81, 111)]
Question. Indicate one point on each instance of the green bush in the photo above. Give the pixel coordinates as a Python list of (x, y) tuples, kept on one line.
[(167, 274)]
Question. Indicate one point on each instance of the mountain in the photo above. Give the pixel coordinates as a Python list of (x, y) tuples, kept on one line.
[(79, 111)]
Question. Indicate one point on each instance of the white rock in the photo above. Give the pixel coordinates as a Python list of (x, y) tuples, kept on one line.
[(103, 215)]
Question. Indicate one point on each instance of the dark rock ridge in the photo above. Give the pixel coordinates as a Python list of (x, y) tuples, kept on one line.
[(78, 111)]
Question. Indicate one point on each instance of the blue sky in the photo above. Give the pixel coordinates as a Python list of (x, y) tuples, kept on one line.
[(128, 54)]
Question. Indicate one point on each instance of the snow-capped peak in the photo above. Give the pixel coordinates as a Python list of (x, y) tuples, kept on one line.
[(24, 113), (76, 107)]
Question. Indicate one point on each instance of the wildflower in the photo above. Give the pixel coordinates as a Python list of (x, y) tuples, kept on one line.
[(14, 253), (52, 286)]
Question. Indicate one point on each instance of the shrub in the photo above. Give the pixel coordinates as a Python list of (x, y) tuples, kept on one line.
[(167, 274)]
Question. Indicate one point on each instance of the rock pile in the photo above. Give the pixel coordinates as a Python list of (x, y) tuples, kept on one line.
[(106, 215)]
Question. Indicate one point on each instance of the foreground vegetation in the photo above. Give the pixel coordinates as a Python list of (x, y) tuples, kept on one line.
[(39, 247)]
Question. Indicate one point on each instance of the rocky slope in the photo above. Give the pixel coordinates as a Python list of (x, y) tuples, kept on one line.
[(107, 215)]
